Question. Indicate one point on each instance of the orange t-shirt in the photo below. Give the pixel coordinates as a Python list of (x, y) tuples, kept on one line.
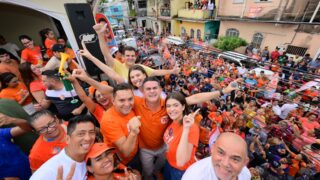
[(32, 56), (98, 112), (49, 43), (16, 94), (172, 138), (113, 127), (308, 95), (37, 85), (153, 124), (261, 82), (42, 151), (12, 67)]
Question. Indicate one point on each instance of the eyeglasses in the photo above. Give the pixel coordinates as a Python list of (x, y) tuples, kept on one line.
[(51, 124)]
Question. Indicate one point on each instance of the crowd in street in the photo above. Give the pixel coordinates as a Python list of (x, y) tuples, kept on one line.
[(195, 116)]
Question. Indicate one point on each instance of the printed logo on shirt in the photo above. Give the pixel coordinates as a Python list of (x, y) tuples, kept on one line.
[(164, 119), (56, 150), (168, 136)]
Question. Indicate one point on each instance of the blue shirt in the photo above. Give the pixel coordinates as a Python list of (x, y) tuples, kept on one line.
[(13, 163)]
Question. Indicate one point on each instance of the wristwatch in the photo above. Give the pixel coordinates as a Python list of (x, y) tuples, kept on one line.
[(221, 92)]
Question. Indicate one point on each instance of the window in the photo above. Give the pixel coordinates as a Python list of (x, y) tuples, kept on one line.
[(191, 33), (232, 32), (198, 34), (257, 40), (237, 1), (183, 31), (142, 4), (301, 51)]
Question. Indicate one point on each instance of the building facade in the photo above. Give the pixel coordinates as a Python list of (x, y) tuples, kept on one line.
[(174, 17), (292, 25)]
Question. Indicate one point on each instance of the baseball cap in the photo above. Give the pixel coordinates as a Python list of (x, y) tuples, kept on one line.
[(97, 149), (58, 48), (113, 50)]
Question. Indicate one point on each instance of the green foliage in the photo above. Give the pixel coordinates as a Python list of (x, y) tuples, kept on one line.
[(229, 43)]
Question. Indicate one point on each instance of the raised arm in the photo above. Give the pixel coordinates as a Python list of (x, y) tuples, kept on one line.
[(89, 103), (202, 97), (185, 147), (162, 72), (127, 144), (106, 69), (100, 30), (82, 75)]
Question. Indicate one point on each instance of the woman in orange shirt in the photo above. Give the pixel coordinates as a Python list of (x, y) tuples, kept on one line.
[(12, 89), (181, 137)]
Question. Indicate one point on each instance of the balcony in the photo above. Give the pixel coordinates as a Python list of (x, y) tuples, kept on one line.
[(165, 12), (194, 14)]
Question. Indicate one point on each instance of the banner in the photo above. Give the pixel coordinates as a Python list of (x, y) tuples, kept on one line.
[(109, 36)]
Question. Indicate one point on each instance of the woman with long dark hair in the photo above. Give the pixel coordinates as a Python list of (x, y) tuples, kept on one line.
[(181, 136)]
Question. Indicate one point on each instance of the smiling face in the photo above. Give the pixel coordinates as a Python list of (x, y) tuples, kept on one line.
[(27, 43), (48, 126), (174, 109), (130, 57), (81, 139), (228, 159), (152, 91), (123, 101), (103, 164), (103, 99), (137, 78)]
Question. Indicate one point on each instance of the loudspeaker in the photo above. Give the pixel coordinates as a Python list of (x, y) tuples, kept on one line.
[(81, 20)]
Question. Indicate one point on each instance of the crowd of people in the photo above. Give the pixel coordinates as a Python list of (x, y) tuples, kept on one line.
[(195, 116)]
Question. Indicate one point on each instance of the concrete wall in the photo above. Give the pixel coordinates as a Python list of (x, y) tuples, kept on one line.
[(273, 34), (16, 20), (188, 26), (269, 9)]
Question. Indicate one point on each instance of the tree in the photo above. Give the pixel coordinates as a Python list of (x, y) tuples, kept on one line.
[(229, 43)]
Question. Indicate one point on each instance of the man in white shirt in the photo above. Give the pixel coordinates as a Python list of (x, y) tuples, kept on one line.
[(228, 161), (288, 107), (80, 138), (275, 107)]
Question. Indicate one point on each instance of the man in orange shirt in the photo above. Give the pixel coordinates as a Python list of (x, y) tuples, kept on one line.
[(52, 138), (154, 121), (120, 126), (31, 53), (8, 65)]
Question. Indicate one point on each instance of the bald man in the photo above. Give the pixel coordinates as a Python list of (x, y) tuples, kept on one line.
[(227, 162)]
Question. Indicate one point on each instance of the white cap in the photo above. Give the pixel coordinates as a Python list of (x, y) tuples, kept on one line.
[(113, 50)]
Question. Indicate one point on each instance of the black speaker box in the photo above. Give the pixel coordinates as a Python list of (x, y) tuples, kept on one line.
[(81, 20)]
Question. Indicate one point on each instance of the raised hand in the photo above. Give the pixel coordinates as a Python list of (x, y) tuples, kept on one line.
[(128, 176), (80, 74), (70, 174), (84, 52), (134, 124), (100, 28), (188, 120)]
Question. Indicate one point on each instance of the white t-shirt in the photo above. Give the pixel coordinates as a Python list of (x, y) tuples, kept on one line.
[(286, 109), (203, 170), (49, 170)]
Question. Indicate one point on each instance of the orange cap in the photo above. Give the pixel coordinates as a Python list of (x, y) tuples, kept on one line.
[(92, 89), (97, 149)]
